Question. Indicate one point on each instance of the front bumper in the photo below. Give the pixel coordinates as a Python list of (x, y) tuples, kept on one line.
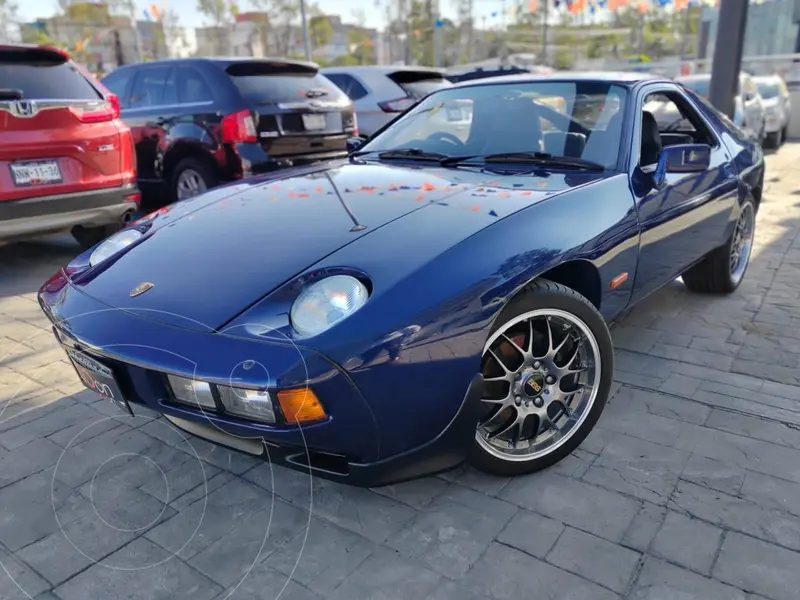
[(345, 447), (33, 216)]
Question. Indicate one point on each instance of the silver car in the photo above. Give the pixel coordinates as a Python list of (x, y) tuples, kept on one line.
[(776, 98), (749, 113), (380, 93)]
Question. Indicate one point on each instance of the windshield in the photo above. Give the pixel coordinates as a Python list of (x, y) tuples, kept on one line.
[(768, 89), (579, 120)]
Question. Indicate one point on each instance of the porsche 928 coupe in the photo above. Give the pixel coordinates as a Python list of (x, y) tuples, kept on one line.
[(440, 295)]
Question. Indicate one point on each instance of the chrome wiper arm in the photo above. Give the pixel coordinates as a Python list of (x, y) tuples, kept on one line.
[(413, 153)]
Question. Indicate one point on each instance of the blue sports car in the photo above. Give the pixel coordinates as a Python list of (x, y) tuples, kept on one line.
[(443, 294)]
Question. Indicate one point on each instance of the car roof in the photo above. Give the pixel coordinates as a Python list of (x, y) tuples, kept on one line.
[(621, 77), (382, 69), (764, 78)]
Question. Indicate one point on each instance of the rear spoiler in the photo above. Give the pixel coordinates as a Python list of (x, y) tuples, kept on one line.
[(276, 66), (33, 54)]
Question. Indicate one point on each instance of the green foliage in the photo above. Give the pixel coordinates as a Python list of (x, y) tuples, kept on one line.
[(563, 59), (320, 30)]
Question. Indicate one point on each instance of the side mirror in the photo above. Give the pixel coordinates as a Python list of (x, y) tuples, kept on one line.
[(681, 158), (353, 144)]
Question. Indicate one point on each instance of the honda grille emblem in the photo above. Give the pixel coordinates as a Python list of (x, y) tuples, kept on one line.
[(24, 108)]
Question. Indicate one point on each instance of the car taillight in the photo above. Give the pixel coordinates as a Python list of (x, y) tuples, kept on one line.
[(99, 112), (239, 127), (127, 156), (355, 125), (397, 106)]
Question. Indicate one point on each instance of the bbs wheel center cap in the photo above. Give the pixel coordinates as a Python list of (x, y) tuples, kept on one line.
[(534, 385)]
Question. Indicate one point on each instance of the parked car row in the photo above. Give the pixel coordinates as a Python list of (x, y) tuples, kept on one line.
[(762, 105)]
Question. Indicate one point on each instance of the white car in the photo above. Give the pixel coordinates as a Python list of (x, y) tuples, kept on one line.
[(749, 112), (776, 98), (381, 93)]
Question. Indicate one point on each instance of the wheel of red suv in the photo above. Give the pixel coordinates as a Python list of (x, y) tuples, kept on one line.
[(547, 367), (192, 176)]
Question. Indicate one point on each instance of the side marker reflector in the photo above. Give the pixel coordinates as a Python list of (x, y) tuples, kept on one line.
[(618, 280)]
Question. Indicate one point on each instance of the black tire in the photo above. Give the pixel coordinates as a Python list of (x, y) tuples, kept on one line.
[(774, 140), (712, 275), (784, 133), (545, 294), (204, 168), (91, 236)]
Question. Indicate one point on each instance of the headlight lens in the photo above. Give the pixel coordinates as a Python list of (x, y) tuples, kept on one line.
[(255, 404), (191, 391), (116, 243), (326, 302)]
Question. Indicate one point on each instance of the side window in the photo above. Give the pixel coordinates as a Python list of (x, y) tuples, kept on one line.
[(192, 87), (349, 85), (149, 87), (668, 120), (117, 83)]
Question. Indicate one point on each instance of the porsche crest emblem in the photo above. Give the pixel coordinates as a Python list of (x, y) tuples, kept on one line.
[(141, 289)]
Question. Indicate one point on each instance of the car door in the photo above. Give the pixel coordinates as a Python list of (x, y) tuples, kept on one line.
[(152, 102), (370, 117), (753, 109), (688, 217)]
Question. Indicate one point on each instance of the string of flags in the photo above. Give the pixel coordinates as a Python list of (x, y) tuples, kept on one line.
[(643, 6)]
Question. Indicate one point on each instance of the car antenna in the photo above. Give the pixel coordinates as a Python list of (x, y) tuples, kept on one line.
[(356, 225)]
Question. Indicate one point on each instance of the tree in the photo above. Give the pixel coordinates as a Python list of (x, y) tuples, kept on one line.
[(8, 12), (277, 35), (220, 12), (320, 30)]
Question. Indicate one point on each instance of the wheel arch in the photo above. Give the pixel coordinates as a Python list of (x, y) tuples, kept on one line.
[(184, 149)]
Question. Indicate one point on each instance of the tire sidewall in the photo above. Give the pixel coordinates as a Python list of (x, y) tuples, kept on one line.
[(731, 284), (557, 297), (200, 167)]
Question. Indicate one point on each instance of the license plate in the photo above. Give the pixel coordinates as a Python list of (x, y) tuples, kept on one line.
[(98, 378), (454, 114), (36, 173), (313, 122)]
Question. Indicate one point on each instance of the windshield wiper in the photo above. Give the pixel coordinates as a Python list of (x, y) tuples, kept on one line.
[(538, 158), (406, 153), (10, 94)]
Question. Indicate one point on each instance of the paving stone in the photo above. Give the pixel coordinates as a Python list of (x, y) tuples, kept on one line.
[(508, 574), (36, 507), (322, 556), (264, 583), (476, 480), (745, 452), (183, 478), (771, 492), (672, 407), (774, 430), (738, 514), (416, 494), (638, 468), (149, 573), (208, 519), (754, 565), (733, 379), (696, 357), (660, 580), (644, 528), (688, 542), (49, 424), (715, 474), (388, 575), (640, 424), (532, 533), (680, 385), (592, 509), (20, 463), (229, 558), (449, 536), (594, 558), (17, 580)]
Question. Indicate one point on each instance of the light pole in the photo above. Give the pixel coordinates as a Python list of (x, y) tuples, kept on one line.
[(727, 59), (306, 47)]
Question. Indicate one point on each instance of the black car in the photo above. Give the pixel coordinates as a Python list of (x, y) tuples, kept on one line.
[(199, 122)]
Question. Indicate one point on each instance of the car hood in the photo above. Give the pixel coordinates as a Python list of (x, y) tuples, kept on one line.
[(211, 257)]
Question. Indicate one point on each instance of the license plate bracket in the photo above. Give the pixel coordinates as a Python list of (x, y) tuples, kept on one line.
[(98, 377), (314, 121), (36, 172)]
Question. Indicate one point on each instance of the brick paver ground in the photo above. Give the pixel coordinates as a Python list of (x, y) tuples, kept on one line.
[(689, 487)]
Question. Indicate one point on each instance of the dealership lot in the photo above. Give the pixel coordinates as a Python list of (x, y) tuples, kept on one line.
[(688, 488)]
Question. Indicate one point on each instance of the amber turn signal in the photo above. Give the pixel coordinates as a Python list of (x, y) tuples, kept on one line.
[(300, 406)]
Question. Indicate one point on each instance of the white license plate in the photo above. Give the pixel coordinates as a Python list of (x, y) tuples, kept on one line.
[(454, 114), (36, 173), (313, 122)]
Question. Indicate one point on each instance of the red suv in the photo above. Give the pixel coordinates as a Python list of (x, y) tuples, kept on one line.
[(67, 161)]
